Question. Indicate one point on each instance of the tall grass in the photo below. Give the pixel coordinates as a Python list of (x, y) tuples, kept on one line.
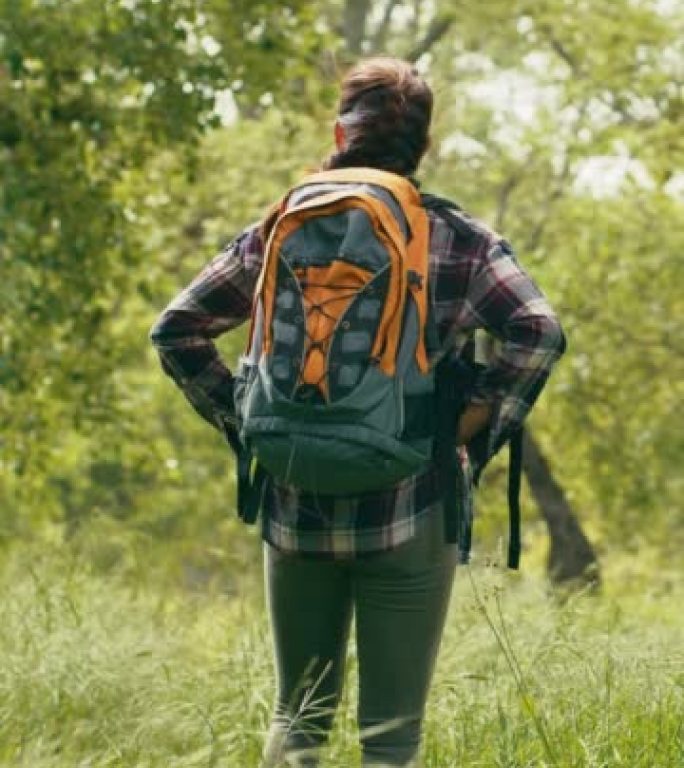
[(95, 672)]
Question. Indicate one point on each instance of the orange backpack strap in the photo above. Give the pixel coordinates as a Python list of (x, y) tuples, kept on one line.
[(403, 190), (418, 262)]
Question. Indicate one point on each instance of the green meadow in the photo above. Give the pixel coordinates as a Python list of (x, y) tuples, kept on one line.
[(98, 669)]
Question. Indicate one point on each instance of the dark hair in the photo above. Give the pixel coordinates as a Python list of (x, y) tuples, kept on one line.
[(385, 108)]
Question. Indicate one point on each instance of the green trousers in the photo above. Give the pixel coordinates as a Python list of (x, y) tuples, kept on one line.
[(399, 599)]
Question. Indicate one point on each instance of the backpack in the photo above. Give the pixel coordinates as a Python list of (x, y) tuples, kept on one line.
[(337, 392), (331, 392)]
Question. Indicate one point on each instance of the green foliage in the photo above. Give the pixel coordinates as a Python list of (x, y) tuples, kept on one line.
[(115, 192), (109, 672), (90, 94), (622, 385), (529, 132)]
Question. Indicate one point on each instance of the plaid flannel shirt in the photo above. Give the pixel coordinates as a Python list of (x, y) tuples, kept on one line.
[(475, 282)]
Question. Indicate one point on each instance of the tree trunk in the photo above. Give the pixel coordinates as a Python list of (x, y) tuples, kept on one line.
[(355, 29), (380, 36), (571, 556), (355, 16)]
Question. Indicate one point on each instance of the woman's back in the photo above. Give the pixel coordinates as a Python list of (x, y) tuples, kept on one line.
[(379, 554)]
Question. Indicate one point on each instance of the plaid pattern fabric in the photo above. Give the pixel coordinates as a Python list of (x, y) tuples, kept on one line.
[(475, 282), (346, 526)]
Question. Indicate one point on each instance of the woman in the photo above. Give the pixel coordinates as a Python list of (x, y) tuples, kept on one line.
[(380, 557)]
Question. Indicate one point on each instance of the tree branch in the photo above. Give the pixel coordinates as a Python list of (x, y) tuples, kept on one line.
[(417, 17), (558, 191), (562, 52), (380, 37), (503, 198), (438, 28)]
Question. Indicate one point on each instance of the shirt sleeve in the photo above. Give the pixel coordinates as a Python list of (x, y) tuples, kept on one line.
[(217, 300), (505, 301)]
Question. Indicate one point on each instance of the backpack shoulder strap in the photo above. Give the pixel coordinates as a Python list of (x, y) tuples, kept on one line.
[(436, 202), (466, 228), (402, 188)]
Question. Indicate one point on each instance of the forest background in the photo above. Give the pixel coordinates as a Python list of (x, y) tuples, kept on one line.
[(139, 137)]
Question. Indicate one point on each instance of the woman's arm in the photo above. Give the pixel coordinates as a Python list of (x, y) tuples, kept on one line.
[(474, 418), (504, 300), (217, 300)]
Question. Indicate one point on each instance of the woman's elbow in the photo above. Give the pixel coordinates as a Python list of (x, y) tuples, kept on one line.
[(554, 336), (161, 330)]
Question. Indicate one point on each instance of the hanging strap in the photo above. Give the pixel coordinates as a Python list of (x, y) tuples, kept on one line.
[(453, 381), (251, 480), (515, 448)]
